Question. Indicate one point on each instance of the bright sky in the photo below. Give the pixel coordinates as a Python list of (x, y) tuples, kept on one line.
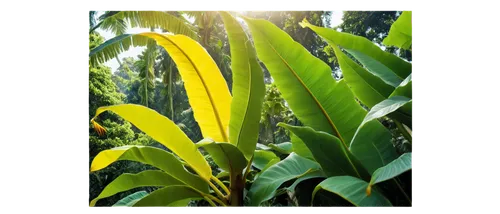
[(336, 19)]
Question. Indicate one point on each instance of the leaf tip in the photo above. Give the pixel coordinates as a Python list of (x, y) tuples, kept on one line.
[(98, 128)]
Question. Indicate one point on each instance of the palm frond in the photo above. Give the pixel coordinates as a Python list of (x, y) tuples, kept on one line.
[(158, 19), (113, 47)]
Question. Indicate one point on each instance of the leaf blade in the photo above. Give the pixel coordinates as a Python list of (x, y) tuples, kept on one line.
[(329, 152), (400, 34), (351, 42), (168, 196), (268, 182), (248, 88), (353, 190), (306, 82), (206, 88), (225, 155), (154, 124), (129, 181)]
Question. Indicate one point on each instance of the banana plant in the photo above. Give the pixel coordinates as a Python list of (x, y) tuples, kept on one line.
[(229, 124), (340, 144), (350, 147)]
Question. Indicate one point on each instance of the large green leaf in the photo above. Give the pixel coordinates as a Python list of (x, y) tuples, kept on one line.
[(225, 155), (163, 130), (373, 147), (283, 148), (400, 32), (376, 150), (248, 88), (300, 147), (353, 190), (261, 158), (169, 196), (306, 82), (377, 68), (329, 152), (292, 167), (369, 88), (130, 199), (153, 156), (391, 170), (351, 42), (128, 181)]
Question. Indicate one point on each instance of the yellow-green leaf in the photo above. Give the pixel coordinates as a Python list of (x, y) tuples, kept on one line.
[(158, 158), (169, 196), (205, 86), (163, 130), (202, 78), (248, 88), (400, 32), (129, 181)]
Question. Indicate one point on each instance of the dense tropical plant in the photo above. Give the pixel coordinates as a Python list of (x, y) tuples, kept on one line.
[(342, 155)]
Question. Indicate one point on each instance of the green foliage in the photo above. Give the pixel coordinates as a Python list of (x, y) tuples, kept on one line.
[(335, 158)]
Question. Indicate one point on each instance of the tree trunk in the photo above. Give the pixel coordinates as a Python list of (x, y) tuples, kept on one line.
[(237, 187)]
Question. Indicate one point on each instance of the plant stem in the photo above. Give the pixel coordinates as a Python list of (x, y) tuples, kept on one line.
[(404, 193), (221, 196), (237, 186), (210, 197), (210, 202), (403, 131), (249, 165), (221, 184)]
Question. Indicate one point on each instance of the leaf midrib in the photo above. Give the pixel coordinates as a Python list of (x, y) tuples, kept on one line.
[(310, 93), (216, 112)]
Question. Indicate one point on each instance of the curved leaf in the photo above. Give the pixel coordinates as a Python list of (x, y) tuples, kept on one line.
[(292, 167), (153, 156), (129, 181), (400, 32), (163, 130), (222, 174), (168, 196), (283, 148), (369, 88), (261, 158), (405, 90), (377, 68), (111, 48), (391, 170), (386, 107), (205, 86), (248, 88), (353, 190), (130, 199), (306, 83), (300, 147), (373, 147), (225, 155), (328, 151), (351, 42)]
